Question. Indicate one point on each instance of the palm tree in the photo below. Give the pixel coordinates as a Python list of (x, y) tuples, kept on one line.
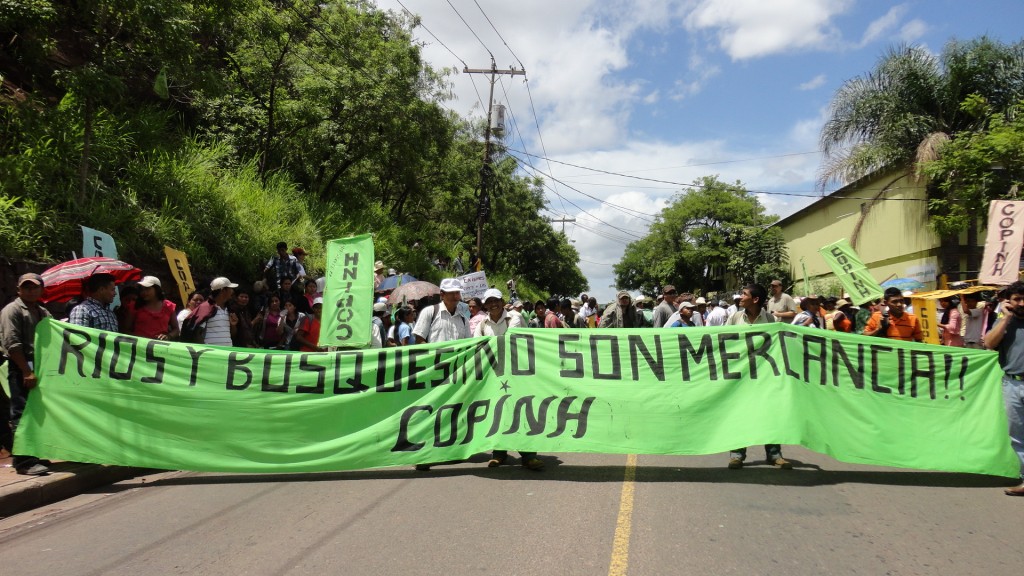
[(900, 113)]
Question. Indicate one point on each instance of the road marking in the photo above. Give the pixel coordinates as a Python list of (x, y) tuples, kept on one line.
[(624, 524)]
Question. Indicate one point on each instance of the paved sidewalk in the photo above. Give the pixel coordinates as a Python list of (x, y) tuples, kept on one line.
[(66, 479)]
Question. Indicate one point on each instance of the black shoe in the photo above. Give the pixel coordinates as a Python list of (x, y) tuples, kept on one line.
[(37, 469)]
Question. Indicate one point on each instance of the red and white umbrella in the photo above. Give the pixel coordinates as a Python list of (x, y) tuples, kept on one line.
[(64, 281)]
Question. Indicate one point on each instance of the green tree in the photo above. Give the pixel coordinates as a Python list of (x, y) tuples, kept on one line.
[(695, 241), (977, 167)]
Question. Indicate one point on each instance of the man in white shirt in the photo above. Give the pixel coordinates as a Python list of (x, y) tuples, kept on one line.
[(496, 324), (781, 305), (442, 323), (973, 312), (220, 325), (732, 310), (717, 315)]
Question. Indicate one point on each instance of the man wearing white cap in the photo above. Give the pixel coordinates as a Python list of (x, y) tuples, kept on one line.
[(442, 323), (220, 325), (496, 324)]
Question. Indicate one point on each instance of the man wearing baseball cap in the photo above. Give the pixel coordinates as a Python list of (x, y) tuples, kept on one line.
[(496, 323), (442, 323), (18, 322), (218, 324)]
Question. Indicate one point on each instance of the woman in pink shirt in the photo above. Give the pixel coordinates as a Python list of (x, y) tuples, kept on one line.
[(951, 328), (153, 316)]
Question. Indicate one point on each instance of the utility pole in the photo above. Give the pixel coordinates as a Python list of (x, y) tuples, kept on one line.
[(563, 220), (483, 211)]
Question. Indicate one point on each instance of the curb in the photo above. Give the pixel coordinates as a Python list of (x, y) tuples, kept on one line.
[(65, 480)]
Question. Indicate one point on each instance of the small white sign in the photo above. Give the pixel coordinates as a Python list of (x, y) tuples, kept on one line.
[(473, 285)]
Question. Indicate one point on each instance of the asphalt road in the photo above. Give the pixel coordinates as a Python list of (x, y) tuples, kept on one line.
[(583, 515)]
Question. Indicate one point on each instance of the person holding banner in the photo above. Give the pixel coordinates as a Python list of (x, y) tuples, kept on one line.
[(442, 323), (94, 311), (496, 324), (752, 311), (18, 322), (1007, 337)]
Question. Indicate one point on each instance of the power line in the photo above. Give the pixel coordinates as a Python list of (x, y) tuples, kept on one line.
[(499, 35), (698, 186), (521, 140), (751, 159), (578, 207), (628, 211), (421, 25), (489, 53)]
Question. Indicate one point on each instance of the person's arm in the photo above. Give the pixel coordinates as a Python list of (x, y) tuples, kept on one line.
[(873, 328), (173, 330), (996, 333), (423, 322)]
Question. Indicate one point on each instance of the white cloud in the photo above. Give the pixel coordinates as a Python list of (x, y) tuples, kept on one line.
[(913, 30), (652, 98), (700, 72), (813, 83), (755, 28), (884, 24)]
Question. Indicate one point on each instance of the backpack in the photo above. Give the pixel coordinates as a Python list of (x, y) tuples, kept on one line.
[(433, 317), (193, 329)]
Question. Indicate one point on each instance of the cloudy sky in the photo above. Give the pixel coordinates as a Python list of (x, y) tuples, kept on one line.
[(674, 90)]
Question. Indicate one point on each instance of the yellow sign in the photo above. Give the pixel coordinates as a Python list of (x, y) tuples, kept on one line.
[(181, 272), (926, 308)]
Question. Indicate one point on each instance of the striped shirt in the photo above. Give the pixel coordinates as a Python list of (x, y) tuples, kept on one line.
[(218, 329)]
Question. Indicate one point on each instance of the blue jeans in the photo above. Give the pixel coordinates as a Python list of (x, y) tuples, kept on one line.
[(1013, 399)]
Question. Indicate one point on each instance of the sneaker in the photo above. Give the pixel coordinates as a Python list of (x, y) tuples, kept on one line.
[(423, 467), (36, 469), (735, 463), (782, 463), (534, 464), (495, 462)]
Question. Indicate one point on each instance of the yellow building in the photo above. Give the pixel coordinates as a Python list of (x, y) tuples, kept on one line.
[(885, 217)]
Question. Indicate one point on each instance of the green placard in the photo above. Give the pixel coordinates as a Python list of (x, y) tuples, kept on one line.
[(117, 399), (847, 266), (348, 293)]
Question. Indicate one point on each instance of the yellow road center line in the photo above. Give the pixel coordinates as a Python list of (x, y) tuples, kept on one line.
[(624, 524)]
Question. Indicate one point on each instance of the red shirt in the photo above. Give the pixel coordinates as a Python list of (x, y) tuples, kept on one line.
[(311, 331), (150, 324)]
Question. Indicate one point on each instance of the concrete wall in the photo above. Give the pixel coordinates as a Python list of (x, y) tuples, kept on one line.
[(893, 239)]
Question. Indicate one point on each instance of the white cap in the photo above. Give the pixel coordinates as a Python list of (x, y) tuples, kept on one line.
[(517, 303), (379, 307), (318, 300), (391, 272), (736, 296), (491, 293), (908, 293), (451, 285), (701, 300), (221, 282), (150, 281), (687, 305)]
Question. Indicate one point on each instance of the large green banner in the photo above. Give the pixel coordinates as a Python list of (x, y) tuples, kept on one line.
[(348, 292), (848, 267), (117, 399)]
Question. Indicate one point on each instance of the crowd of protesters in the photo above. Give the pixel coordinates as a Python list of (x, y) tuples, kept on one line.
[(283, 311)]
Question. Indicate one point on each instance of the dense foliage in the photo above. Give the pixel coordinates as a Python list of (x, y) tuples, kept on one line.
[(712, 237), (222, 127), (978, 166)]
